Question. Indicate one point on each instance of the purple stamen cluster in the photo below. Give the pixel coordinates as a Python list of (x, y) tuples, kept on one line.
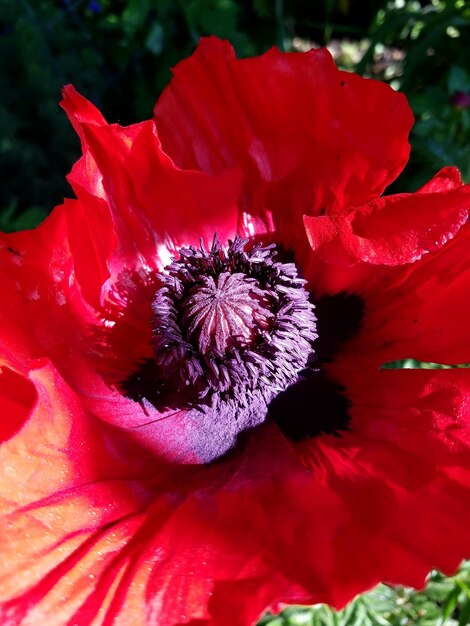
[(228, 323)]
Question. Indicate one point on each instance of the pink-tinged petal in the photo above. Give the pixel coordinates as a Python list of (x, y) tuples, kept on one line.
[(308, 137), (67, 494)]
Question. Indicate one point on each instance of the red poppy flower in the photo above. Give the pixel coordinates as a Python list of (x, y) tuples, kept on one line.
[(190, 441)]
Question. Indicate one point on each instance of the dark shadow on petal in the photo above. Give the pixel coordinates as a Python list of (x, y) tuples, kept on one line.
[(123, 340), (147, 382), (18, 397), (312, 406)]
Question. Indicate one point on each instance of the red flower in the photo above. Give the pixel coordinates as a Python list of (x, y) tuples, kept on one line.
[(291, 468)]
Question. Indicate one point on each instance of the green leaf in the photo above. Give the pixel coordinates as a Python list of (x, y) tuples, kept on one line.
[(155, 38), (134, 15), (450, 603), (464, 613), (458, 80)]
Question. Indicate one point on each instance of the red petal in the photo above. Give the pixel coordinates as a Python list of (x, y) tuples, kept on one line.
[(79, 110), (96, 331), (307, 136), (111, 533), (402, 473), (423, 314), (446, 179), (154, 205), (95, 528), (67, 499), (17, 398), (95, 539), (92, 525), (37, 273), (390, 231), (396, 229)]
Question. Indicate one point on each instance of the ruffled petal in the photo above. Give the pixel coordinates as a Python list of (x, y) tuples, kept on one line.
[(308, 137), (388, 232), (73, 273), (145, 544), (402, 473), (95, 528), (396, 229), (155, 206), (69, 504), (420, 314)]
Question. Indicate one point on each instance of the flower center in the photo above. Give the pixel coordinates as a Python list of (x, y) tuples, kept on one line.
[(225, 311), (230, 324)]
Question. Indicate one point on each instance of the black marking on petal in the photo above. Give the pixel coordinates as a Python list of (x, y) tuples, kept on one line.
[(339, 318), (314, 405)]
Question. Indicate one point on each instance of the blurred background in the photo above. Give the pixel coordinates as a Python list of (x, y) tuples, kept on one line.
[(118, 54)]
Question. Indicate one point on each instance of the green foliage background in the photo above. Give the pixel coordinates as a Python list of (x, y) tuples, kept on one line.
[(444, 602), (118, 54)]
